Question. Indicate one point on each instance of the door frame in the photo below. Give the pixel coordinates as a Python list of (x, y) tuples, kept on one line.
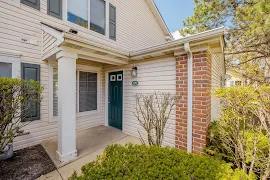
[(106, 123)]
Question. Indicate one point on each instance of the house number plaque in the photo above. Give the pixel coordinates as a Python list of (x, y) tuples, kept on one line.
[(135, 83)]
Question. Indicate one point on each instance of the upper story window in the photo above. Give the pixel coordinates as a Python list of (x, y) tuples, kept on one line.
[(88, 13), (97, 16), (32, 3), (78, 12)]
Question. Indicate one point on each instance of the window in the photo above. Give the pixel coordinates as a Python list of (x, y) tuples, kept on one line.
[(5, 69), (112, 27), (86, 91), (231, 83), (32, 3), (78, 12), (90, 14), (97, 16), (238, 83)]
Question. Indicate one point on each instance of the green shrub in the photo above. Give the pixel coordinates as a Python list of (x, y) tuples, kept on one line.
[(16, 104), (152, 162), (242, 135)]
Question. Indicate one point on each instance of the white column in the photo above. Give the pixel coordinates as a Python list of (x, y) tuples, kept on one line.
[(66, 106)]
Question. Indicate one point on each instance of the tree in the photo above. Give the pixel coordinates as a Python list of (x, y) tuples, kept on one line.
[(16, 100), (248, 38)]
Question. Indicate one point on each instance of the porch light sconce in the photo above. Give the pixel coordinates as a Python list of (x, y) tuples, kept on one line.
[(134, 71)]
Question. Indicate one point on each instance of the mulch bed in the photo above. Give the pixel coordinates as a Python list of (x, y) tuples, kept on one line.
[(27, 164)]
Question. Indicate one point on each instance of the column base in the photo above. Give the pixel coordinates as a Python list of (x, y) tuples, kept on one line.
[(63, 159)]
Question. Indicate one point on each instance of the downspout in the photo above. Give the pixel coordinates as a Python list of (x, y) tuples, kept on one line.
[(190, 96)]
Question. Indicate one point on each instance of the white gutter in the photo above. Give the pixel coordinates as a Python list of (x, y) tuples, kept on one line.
[(196, 37), (190, 96)]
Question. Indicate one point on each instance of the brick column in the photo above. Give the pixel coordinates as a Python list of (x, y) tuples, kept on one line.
[(201, 110), (181, 109)]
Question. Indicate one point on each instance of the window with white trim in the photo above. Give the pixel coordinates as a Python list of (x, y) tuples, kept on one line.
[(10, 64), (86, 91), (5, 69), (90, 14)]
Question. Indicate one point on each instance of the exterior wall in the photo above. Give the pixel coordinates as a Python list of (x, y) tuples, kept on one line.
[(201, 110), (218, 78), (135, 29), (20, 32), (153, 76), (136, 24)]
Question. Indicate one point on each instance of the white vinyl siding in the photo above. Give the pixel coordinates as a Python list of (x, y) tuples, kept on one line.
[(218, 76), (153, 76), (49, 44)]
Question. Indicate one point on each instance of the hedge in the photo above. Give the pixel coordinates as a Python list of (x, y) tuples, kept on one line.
[(151, 162)]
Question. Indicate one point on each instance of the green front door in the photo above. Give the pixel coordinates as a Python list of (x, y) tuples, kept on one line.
[(115, 99)]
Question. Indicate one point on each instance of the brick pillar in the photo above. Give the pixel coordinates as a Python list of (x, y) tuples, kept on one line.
[(181, 109), (201, 110)]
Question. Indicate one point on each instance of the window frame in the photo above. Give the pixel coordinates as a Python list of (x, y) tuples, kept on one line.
[(87, 30), (79, 68), (14, 59)]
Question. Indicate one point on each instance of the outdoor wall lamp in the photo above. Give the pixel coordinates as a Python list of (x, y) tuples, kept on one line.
[(134, 71)]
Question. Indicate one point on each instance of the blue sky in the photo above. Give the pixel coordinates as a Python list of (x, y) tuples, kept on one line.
[(174, 12)]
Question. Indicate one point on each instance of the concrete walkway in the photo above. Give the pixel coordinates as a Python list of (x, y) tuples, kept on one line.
[(90, 143)]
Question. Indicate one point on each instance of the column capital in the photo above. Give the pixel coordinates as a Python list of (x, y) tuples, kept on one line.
[(66, 54)]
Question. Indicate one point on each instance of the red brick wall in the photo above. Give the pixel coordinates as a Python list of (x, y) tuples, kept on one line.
[(201, 110)]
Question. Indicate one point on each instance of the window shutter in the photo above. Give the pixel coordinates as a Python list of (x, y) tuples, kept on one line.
[(31, 71), (32, 3), (112, 27), (55, 8)]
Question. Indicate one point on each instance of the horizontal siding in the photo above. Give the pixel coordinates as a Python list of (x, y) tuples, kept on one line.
[(153, 76), (218, 71), (136, 23), (49, 43), (135, 29)]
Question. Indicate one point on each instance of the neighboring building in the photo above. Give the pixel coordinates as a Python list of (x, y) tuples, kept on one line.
[(83, 53), (234, 78)]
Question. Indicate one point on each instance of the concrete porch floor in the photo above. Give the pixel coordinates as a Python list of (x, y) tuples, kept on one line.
[(89, 143)]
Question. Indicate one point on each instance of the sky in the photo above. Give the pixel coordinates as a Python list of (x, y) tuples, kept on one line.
[(174, 12)]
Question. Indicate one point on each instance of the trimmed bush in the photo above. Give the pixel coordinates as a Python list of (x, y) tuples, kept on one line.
[(152, 162)]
